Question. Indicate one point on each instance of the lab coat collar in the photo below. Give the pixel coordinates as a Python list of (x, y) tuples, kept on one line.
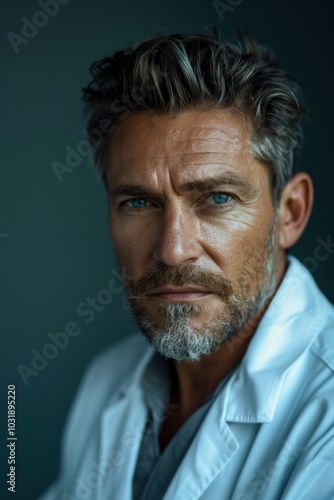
[(284, 333), (118, 450)]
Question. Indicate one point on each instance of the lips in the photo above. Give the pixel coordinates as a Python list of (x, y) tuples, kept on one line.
[(176, 294), (181, 289)]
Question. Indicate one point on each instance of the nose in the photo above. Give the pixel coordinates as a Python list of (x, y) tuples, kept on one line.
[(176, 238)]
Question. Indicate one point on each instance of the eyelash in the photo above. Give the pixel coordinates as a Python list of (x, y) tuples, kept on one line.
[(206, 196)]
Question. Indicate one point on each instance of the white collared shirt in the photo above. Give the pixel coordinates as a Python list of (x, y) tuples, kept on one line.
[(269, 434)]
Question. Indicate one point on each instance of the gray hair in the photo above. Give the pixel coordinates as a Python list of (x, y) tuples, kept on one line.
[(175, 73)]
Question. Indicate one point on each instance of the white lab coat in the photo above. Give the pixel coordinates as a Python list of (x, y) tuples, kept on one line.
[(269, 434)]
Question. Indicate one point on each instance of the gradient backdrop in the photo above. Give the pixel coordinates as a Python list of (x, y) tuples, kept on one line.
[(54, 244)]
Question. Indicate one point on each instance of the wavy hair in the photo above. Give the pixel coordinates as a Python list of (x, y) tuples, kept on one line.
[(175, 73)]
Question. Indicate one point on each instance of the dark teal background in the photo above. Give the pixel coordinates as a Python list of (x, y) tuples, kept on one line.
[(57, 250)]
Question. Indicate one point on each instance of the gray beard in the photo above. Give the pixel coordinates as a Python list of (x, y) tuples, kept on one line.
[(174, 337), (177, 340)]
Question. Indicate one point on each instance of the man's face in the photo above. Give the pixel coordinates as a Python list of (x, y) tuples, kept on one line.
[(193, 227)]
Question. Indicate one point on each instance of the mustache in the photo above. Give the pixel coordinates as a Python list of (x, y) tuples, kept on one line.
[(170, 276)]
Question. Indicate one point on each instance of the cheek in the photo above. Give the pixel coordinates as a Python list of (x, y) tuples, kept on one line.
[(235, 246)]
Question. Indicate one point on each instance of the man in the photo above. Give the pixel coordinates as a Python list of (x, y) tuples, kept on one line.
[(197, 142)]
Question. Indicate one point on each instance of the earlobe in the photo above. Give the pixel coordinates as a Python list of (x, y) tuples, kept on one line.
[(295, 209)]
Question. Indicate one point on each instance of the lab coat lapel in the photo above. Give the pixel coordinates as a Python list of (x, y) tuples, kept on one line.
[(212, 449), (122, 426)]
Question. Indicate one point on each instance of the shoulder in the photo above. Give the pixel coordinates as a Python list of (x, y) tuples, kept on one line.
[(313, 314), (101, 386)]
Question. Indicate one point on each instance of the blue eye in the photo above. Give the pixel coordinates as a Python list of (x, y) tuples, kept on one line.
[(220, 198), (136, 203)]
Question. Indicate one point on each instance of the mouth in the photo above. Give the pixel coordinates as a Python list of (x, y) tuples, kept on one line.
[(180, 294)]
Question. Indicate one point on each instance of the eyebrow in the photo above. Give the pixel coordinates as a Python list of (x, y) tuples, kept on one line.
[(228, 179), (200, 185)]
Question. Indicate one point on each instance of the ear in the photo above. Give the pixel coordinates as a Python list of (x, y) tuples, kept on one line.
[(295, 209)]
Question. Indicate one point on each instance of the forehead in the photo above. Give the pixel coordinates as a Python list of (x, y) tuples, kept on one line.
[(184, 145)]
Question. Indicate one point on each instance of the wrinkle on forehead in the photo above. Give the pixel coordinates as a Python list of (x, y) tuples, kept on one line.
[(163, 151), (144, 134), (160, 149)]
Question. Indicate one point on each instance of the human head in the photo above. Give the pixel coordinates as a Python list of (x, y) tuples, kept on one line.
[(242, 112), (171, 74)]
